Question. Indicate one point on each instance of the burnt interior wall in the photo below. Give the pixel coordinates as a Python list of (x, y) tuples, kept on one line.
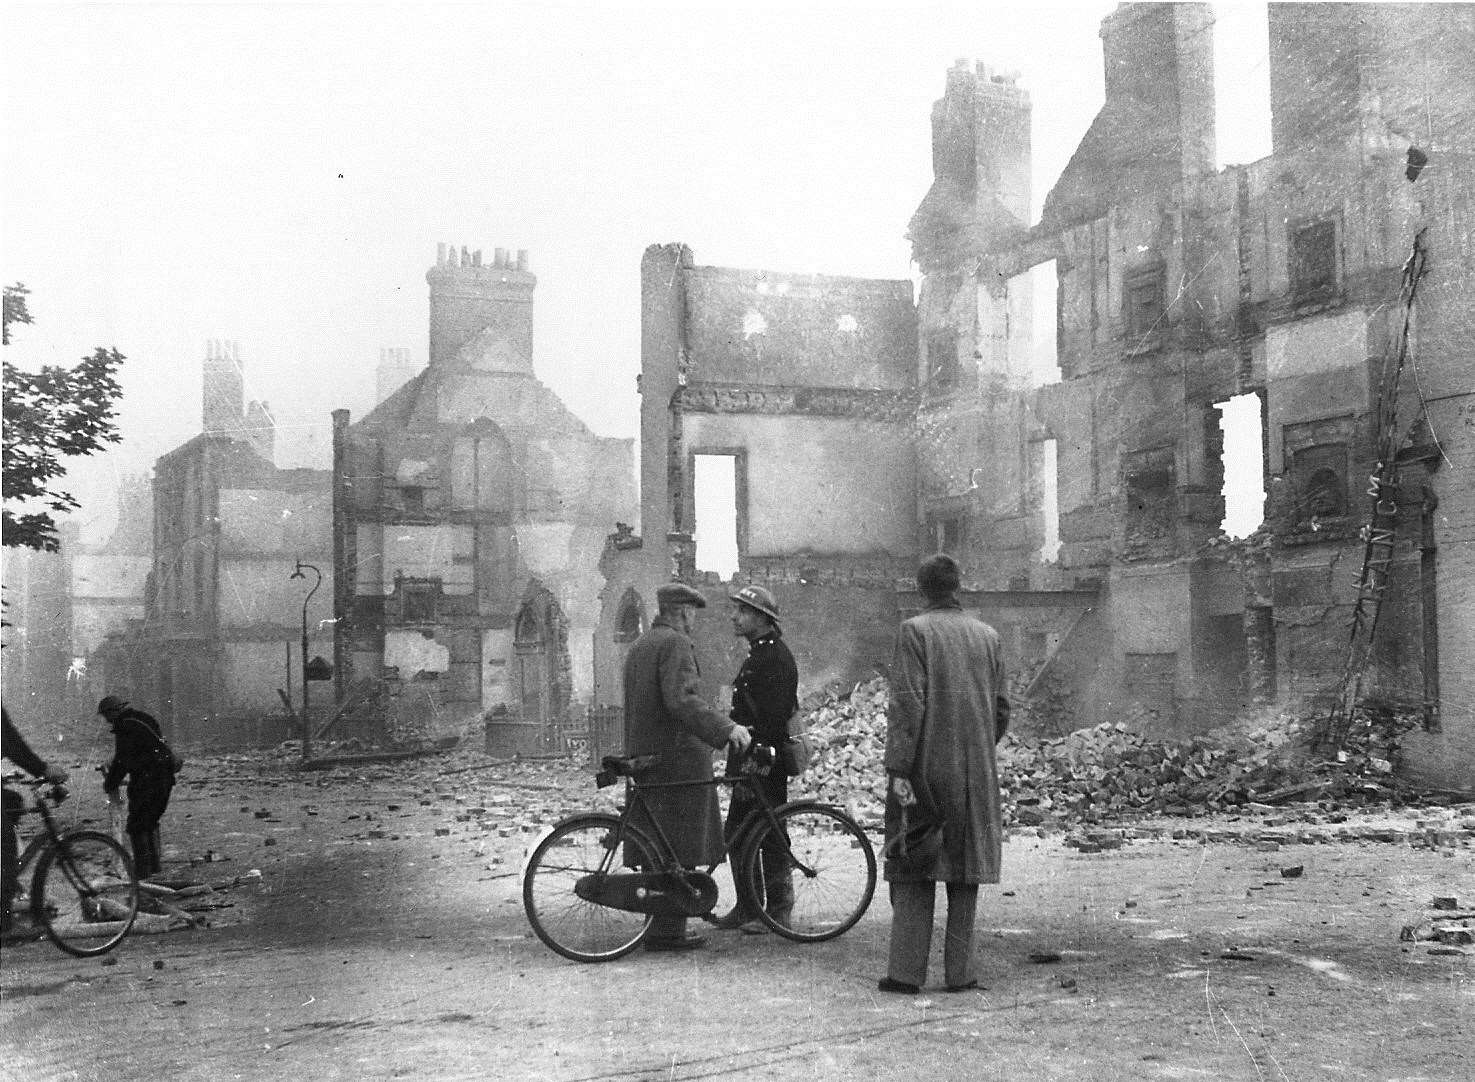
[(767, 328), (1179, 287), (468, 500)]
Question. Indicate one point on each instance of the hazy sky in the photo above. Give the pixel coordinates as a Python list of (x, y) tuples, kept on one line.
[(279, 174)]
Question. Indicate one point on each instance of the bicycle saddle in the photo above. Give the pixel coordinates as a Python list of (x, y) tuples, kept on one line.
[(623, 766)]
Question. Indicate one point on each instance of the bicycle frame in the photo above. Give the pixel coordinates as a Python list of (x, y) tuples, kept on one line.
[(38, 843), (764, 811), (593, 901)]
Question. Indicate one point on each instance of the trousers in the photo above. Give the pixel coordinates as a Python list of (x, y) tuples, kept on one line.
[(148, 798), (9, 885), (911, 932)]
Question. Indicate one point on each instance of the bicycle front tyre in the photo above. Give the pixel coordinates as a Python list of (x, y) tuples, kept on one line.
[(831, 871), (584, 931), (85, 893)]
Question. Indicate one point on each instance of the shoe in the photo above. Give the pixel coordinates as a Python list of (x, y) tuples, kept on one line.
[(964, 987), (753, 927), (886, 984), (733, 919), (688, 942), (20, 929)]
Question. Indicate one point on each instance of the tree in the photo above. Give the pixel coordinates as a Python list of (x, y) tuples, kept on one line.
[(50, 416), (15, 309)]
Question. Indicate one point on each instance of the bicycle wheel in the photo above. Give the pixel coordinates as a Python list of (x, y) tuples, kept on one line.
[(580, 846), (830, 867), (85, 893)]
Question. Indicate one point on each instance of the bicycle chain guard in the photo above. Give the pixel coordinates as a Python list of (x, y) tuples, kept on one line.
[(663, 894)]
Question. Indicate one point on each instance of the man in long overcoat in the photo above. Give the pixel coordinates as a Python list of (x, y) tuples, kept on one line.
[(666, 716), (948, 709)]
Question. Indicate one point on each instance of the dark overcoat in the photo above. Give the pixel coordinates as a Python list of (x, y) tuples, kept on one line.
[(665, 715), (948, 708)]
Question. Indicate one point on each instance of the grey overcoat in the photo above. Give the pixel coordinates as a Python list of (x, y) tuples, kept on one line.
[(949, 706), (666, 715)]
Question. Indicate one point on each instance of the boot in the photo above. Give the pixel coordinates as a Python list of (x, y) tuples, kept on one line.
[(734, 918), (778, 882), (143, 860), (670, 934)]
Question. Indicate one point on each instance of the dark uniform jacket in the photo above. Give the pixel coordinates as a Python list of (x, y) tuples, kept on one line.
[(139, 752), (665, 715), (765, 692)]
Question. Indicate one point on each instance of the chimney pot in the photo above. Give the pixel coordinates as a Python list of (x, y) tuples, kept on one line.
[(522, 259)]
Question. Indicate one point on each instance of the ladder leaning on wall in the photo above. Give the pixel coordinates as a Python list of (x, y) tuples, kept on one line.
[(1379, 533)]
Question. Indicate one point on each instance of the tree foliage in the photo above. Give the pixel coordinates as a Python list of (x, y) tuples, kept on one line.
[(50, 416), (15, 309)]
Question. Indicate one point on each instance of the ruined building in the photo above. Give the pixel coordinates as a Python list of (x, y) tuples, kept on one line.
[(803, 389), (1333, 281), (59, 606), (220, 631), (470, 509)]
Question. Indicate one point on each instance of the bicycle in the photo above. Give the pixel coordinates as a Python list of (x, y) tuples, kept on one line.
[(594, 884), (84, 892)]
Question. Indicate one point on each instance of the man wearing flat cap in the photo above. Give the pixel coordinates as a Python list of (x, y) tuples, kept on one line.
[(666, 716), (764, 696)]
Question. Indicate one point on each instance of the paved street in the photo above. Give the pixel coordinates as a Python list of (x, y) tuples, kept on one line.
[(396, 947)]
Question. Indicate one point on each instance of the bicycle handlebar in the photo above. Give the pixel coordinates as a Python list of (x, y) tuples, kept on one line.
[(761, 754), (57, 794)]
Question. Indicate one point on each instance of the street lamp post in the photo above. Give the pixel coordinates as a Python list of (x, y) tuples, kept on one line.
[(306, 719)]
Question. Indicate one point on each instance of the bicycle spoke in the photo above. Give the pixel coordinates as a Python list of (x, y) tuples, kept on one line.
[(575, 927), (815, 877), (85, 894)]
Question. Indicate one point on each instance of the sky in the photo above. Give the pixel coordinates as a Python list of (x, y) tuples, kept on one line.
[(279, 174)]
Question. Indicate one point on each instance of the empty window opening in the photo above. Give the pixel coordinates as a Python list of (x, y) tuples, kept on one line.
[(1142, 300), (418, 600), (1049, 481), (754, 323), (630, 622), (1241, 422), (1313, 261), (947, 533), (413, 497), (716, 512), (1320, 478), (1033, 325), (1241, 83), (1149, 478), (1045, 349)]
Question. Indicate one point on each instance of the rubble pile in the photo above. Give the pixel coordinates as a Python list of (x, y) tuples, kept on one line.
[(848, 731), (1095, 774), (1445, 924)]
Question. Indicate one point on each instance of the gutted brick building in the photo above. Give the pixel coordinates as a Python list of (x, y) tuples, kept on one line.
[(222, 616), (802, 389), (470, 509), (1334, 282)]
